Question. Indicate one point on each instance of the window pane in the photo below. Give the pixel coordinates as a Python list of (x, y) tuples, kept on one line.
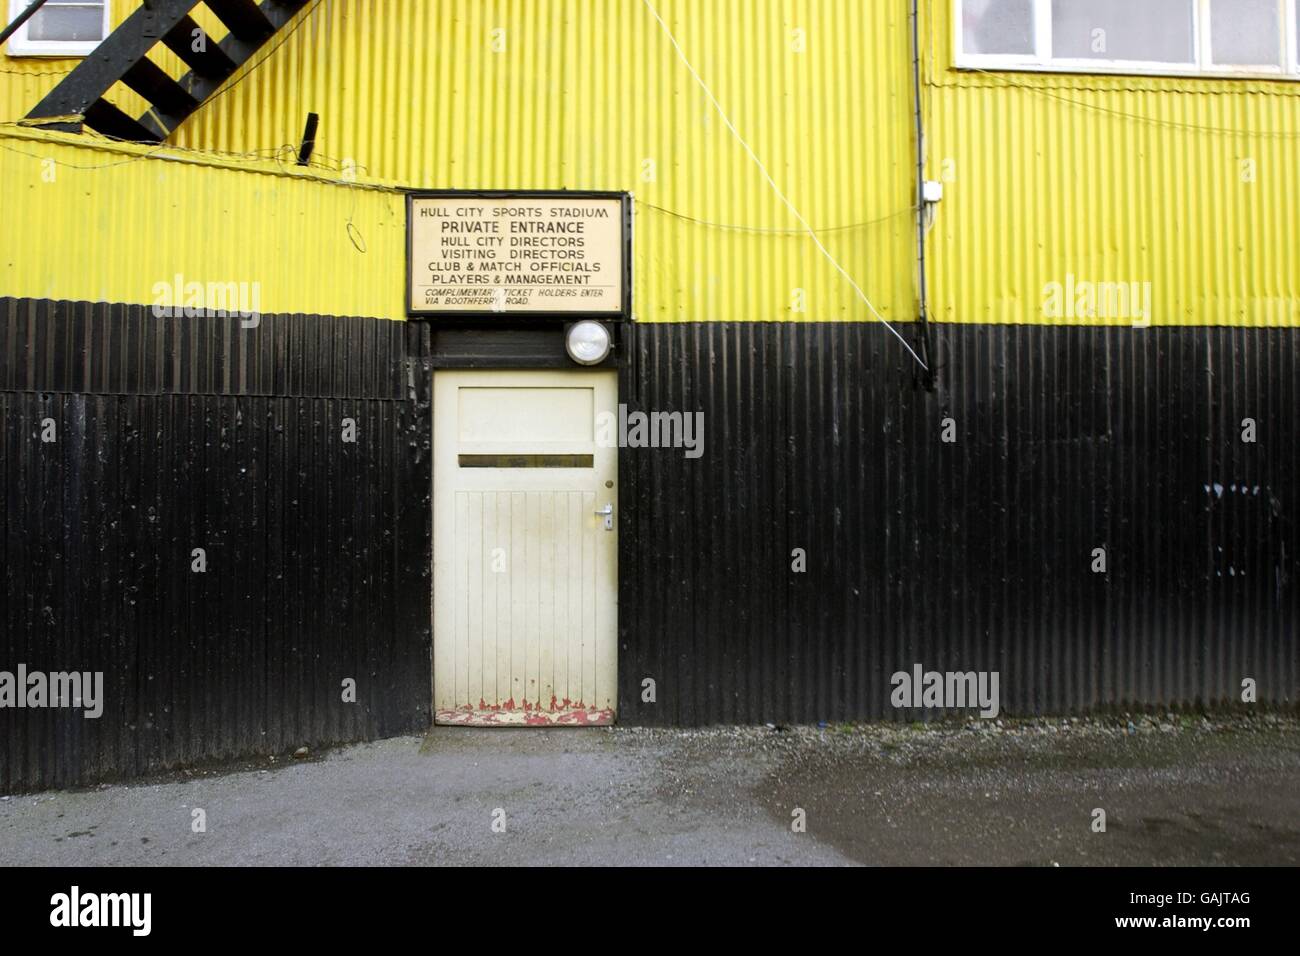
[(1159, 31), (1246, 32), (65, 20), (997, 26)]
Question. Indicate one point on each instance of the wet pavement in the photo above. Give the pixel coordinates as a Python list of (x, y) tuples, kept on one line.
[(1175, 790)]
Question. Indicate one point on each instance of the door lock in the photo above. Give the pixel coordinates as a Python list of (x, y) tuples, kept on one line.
[(607, 513)]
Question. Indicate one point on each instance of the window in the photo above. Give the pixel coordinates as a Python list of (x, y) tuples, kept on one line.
[(1245, 33), (60, 28), (1175, 37), (1154, 31)]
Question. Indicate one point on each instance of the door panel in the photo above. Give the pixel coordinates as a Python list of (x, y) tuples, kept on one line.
[(525, 578)]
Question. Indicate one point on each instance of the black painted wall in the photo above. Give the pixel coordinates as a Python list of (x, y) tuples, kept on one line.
[(976, 554), (175, 434), (970, 555)]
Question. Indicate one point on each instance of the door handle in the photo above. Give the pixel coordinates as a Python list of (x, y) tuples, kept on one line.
[(607, 513)]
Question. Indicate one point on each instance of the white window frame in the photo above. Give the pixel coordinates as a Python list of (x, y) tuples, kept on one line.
[(21, 45), (1203, 66)]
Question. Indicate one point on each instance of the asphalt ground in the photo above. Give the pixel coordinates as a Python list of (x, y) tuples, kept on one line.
[(1175, 791)]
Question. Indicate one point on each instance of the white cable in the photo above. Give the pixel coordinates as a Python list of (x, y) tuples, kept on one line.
[(772, 182)]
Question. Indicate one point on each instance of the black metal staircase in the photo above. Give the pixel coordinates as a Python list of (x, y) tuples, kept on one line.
[(79, 100)]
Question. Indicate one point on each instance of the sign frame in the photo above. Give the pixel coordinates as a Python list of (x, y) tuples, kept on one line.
[(625, 206)]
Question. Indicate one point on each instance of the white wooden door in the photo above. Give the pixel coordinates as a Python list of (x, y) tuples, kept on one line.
[(525, 592)]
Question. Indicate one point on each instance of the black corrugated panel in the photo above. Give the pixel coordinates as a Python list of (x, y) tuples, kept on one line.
[(102, 348), (974, 555), (175, 434), (971, 555)]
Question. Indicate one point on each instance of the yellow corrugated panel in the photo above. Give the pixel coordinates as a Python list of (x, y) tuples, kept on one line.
[(1049, 178), (109, 223), (589, 94), (1188, 188), (25, 80)]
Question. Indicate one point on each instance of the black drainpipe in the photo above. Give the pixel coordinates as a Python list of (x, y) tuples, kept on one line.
[(926, 375)]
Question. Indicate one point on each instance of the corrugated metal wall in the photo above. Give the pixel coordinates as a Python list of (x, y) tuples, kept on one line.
[(971, 555), (1104, 178), (968, 555), (1190, 185), (175, 434), (975, 554), (107, 223), (589, 94)]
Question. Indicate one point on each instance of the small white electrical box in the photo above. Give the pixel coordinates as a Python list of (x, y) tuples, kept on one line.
[(931, 190)]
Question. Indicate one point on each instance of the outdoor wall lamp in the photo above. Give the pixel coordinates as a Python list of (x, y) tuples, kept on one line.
[(587, 342)]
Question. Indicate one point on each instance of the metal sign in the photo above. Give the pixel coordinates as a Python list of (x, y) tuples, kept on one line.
[(510, 253)]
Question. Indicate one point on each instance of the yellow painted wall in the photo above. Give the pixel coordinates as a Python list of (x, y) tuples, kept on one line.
[(589, 94), (586, 94), (1048, 178), (1111, 179), (108, 222)]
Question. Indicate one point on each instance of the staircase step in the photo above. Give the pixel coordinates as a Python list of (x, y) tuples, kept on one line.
[(244, 18), (106, 118), (123, 56), (92, 77), (212, 62), (151, 82)]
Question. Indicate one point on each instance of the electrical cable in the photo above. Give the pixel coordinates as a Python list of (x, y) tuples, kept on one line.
[(777, 189), (334, 164), (760, 230), (1003, 81), (37, 72)]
